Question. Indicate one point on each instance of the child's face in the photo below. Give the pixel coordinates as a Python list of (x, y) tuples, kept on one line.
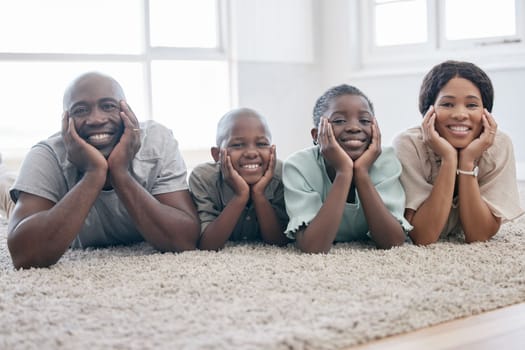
[(459, 111), (351, 120), (249, 148)]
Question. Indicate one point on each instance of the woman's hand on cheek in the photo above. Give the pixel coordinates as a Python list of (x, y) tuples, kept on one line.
[(486, 139), (432, 138)]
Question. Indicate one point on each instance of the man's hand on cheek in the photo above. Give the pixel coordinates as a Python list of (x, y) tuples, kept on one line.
[(80, 153)]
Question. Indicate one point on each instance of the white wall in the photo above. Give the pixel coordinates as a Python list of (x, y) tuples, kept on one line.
[(289, 104), (278, 72)]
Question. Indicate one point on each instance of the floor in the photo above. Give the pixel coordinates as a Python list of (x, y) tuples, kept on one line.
[(502, 329)]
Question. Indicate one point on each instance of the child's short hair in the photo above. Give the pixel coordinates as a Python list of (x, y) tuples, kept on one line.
[(323, 102), (225, 124), (442, 73)]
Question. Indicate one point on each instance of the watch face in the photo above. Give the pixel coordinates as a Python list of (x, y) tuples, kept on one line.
[(475, 171)]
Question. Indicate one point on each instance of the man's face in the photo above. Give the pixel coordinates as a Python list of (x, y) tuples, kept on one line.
[(94, 105)]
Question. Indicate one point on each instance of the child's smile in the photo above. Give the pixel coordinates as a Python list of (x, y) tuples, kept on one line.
[(249, 148), (351, 121)]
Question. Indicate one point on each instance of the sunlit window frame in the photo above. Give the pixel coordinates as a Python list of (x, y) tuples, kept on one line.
[(497, 52), (149, 54)]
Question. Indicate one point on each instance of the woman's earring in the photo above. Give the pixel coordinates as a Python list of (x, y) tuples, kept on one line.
[(315, 142)]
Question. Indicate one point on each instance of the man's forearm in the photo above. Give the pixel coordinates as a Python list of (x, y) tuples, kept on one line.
[(40, 238)]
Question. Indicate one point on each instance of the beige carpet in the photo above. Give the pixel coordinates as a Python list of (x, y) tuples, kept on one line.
[(254, 296)]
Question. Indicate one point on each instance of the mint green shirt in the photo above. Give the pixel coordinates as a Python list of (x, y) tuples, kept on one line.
[(306, 186)]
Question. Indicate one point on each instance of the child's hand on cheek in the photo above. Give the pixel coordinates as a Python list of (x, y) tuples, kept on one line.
[(432, 138), (231, 176), (260, 186), (330, 149), (479, 145), (365, 161)]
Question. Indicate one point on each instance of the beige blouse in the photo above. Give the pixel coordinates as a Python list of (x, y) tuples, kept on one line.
[(496, 178)]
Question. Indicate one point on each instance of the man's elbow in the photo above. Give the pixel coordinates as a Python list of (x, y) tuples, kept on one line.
[(24, 258), (25, 263), (183, 240)]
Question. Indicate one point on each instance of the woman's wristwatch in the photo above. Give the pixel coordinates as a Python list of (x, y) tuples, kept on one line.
[(474, 172)]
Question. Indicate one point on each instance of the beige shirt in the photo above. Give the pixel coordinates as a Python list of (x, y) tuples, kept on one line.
[(496, 178)]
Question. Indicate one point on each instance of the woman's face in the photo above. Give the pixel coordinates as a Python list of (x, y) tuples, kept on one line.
[(459, 111)]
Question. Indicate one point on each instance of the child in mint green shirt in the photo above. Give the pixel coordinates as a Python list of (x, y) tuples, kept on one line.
[(346, 187)]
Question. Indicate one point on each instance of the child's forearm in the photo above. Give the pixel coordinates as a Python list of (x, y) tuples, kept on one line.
[(217, 232), (320, 234), (384, 228), (271, 230)]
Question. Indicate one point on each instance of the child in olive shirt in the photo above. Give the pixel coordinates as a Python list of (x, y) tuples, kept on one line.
[(240, 196)]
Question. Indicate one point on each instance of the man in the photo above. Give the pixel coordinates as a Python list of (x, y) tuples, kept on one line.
[(104, 180)]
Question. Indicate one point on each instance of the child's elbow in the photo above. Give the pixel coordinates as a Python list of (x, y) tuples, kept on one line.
[(392, 244), (313, 249)]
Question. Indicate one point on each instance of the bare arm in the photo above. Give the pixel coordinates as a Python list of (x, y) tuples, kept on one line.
[(478, 222), (384, 228), (40, 231), (271, 230), (319, 235), (168, 221), (430, 218), (219, 231)]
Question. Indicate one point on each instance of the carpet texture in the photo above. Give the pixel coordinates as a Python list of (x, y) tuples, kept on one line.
[(254, 296)]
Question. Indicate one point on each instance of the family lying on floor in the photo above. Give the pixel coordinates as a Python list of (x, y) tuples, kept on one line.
[(107, 179)]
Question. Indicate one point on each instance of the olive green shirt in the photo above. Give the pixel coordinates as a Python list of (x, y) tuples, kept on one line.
[(211, 194)]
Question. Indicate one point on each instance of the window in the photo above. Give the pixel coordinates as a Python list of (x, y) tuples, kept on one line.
[(408, 30), (389, 33), (170, 56)]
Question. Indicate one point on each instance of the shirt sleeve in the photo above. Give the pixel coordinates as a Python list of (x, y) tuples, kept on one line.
[(302, 195), (277, 200), (40, 175), (172, 174), (204, 196), (497, 179), (389, 187), (414, 173)]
